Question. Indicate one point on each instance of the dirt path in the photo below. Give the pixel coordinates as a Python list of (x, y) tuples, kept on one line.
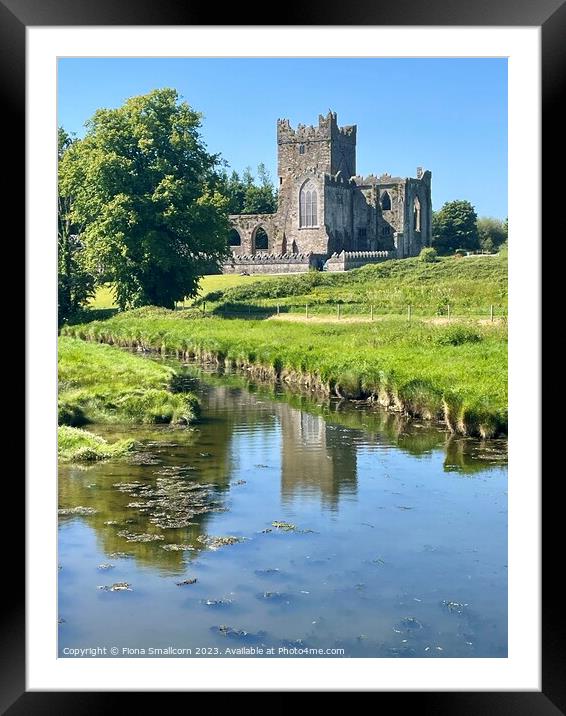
[(434, 320)]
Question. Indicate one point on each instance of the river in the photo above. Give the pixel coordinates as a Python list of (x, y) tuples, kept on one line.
[(351, 532)]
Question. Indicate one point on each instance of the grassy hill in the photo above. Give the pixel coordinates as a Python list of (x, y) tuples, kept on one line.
[(468, 285)]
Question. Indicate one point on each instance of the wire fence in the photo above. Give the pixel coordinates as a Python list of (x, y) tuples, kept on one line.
[(495, 313)]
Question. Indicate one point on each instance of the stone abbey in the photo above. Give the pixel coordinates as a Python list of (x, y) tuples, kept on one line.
[(328, 216)]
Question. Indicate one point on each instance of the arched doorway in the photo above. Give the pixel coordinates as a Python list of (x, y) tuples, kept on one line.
[(260, 240)]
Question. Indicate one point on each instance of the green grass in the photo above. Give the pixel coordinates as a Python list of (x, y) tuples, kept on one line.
[(457, 373), (468, 285), (101, 384), (104, 297), (76, 445)]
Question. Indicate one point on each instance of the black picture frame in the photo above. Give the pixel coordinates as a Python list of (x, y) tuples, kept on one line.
[(15, 17)]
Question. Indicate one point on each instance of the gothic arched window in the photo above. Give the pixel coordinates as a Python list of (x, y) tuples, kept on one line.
[(385, 201), (308, 213)]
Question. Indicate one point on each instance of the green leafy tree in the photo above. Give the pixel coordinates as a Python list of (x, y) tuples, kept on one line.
[(75, 281), (145, 192), (233, 188), (492, 233), (248, 194), (455, 227)]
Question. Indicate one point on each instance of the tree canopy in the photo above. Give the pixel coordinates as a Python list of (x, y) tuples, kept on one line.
[(145, 191), (75, 282), (247, 194), (492, 233), (454, 227)]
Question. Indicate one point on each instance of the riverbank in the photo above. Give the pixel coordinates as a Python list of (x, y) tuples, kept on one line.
[(77, 445), (456, 374), (100, 384)]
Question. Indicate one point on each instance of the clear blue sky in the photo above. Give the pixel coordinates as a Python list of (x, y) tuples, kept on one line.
[(447, 115)]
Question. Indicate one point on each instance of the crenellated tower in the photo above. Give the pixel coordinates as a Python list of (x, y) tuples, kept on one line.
[(326, 148)]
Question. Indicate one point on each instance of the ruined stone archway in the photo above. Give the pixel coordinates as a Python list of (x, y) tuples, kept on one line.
[(234, 239), (260, 240)]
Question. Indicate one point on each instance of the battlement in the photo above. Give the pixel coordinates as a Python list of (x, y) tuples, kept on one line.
[(337, 179), (374, 180), (327, 129), (370, 179), (270, 263), (346, 260)]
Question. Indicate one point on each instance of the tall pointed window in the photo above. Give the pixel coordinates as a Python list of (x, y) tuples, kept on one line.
[(385, 201), (417, 214), (308, 212)]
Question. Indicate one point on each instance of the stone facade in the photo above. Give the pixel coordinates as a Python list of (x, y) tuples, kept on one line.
[(324, 208)]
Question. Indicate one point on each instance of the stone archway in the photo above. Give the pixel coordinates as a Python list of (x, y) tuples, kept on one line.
[(260, 240), (234, 239)]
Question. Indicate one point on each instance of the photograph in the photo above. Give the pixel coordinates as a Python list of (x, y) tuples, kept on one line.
[(282, 346)]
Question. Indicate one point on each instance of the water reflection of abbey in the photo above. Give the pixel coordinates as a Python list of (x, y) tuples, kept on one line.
[(317, 459)]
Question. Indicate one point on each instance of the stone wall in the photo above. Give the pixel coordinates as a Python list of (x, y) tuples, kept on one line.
[(338, 215), (270, 263), (347, 260), (247, 226), (299, 239)]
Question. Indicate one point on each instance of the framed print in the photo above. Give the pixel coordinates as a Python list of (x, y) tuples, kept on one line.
[(276, 454)]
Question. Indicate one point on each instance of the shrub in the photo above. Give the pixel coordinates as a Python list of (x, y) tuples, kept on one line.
[(457, 336), (428, 255)]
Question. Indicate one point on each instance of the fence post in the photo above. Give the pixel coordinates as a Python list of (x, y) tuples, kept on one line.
[(338, 307), (306, 310), (408, 313), (491, 312), (277, 309), (372, 313), (203, 307)]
